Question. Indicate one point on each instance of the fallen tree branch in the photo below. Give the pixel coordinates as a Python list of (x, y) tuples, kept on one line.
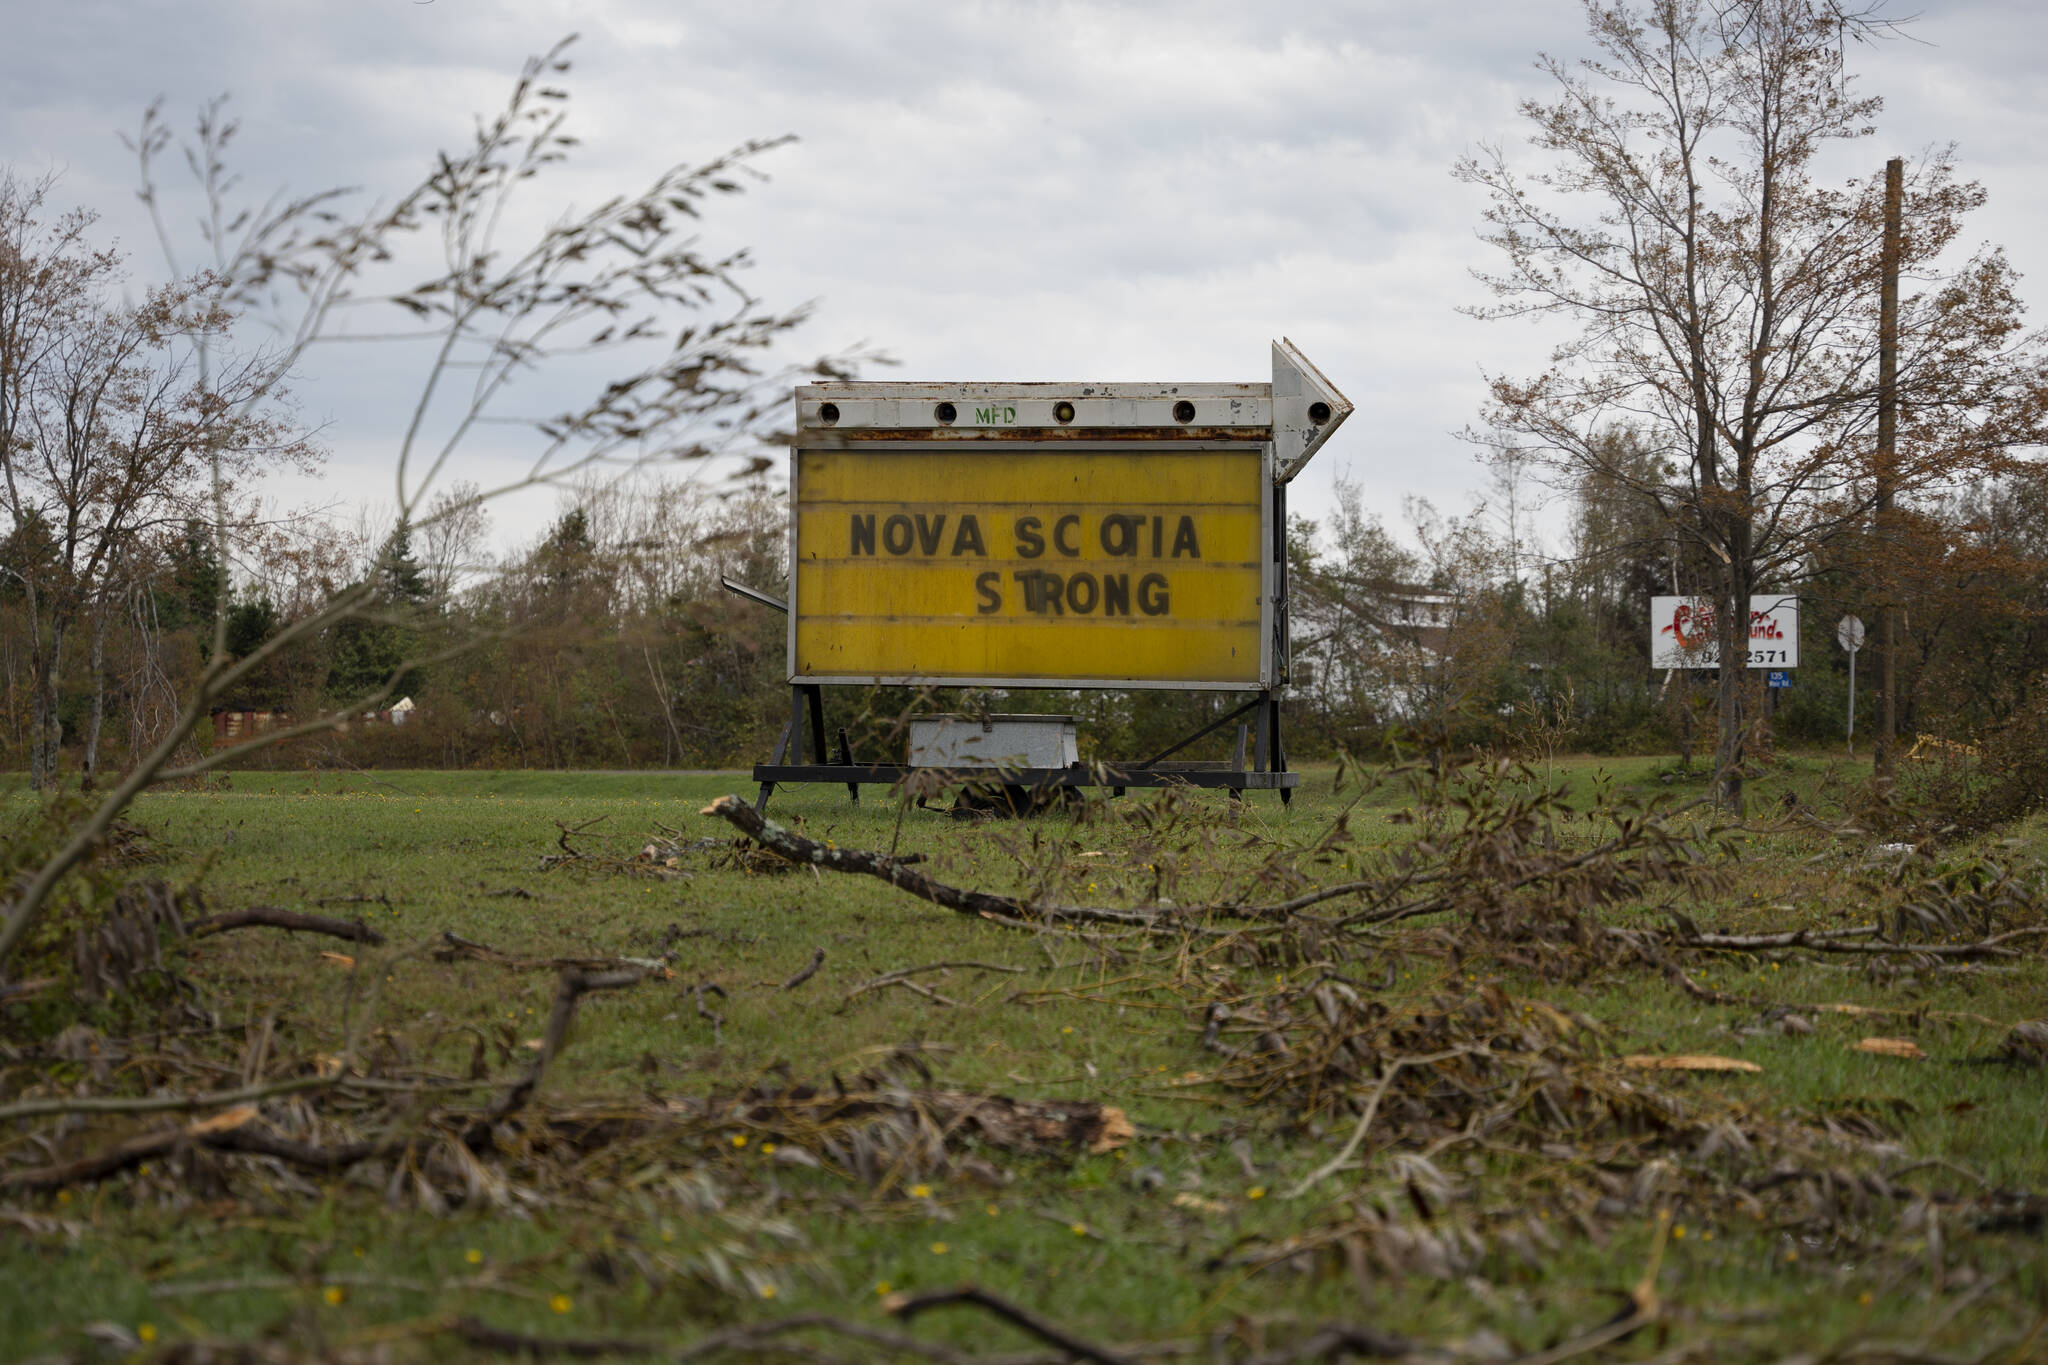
[(249, 1140), (1336, 1341), (165, 1104), (908, 1306), (476, 1332), (757, 1334), (271, 917), (454, 946), (901, 975), (917, 988), (817, 961), (574, 985), (97, 1166), (895, 871), (1372, 1108), (706, 1013), (1843, 942)]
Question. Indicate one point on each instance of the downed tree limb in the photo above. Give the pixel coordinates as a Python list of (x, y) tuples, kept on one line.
[(163, 1104), (573, 986), (901, 977), (817, 961), (1853, 941), (271, 917), (908, 1306), (96, 1166), (454, 946), (759, 1334), (230, 1132), (897, 872), (1372, 1108), (1337, 1341), (501, 1342)]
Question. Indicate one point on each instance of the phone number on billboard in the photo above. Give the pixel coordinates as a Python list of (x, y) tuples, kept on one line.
[(1769, 656)]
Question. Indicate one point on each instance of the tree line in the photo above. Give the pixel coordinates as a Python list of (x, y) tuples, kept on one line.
[(610, 641), (1768, 377)]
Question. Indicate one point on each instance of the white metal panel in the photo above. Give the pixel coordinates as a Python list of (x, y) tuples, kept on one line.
[(1684, 633), (1010, 741), (1306, 408)]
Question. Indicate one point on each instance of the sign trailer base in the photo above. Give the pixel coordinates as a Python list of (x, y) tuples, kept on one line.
[(1258, 739), (1051, 537)]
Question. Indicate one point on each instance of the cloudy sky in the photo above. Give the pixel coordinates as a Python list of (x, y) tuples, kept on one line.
[(986, 190)]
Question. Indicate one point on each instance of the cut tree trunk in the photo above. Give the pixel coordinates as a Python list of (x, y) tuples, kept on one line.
[(1730, 752), (48, 728), (89, 766)]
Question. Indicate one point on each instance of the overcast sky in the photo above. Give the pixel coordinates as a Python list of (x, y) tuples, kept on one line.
[(988, 190)]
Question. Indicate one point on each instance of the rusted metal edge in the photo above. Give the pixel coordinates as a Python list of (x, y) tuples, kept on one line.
[(856, 390), (815, 438)]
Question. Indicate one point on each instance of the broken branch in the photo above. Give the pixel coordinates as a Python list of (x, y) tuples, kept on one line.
[(1843, 943), (908, 1306), (271, 917), (895, 871), (574, 985), (817, 961)]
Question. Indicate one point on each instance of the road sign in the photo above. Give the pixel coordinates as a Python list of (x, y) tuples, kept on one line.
[(1849, 635), (1778, 678), (1048, 535), (1685, 634)]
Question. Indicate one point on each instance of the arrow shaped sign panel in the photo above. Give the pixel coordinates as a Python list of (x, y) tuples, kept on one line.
[(1306, 408)]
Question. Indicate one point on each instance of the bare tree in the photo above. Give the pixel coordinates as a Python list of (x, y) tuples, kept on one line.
[(107, 431), (455, 539), (498, 306), (1725, 299)]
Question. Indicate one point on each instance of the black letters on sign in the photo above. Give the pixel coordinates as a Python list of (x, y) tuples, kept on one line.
[(1044, 593), (897, 534), (967, 539), (1119, 534), (1116, 594), (1152, 596), (1030, 544)]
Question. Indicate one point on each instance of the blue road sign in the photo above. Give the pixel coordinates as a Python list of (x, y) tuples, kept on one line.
[(1779, 677)]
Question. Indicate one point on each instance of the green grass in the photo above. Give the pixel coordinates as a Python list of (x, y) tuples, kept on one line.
[(1087, 1241)]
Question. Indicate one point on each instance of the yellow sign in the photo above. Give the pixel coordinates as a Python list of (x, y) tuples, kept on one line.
[(1031, 566)]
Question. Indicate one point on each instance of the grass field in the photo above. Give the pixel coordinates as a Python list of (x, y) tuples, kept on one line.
[(1182, 1234)]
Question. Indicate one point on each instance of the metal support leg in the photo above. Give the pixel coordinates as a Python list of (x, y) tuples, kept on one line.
[(1280, 753), (781, 748), (816, 696), (1237, 752), (846, 757)]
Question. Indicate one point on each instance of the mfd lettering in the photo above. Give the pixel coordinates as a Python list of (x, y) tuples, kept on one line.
[(1119, 535), (923, 533), (1045, 593)]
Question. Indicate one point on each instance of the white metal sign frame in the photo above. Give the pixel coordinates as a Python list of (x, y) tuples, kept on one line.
[(1286, 421)]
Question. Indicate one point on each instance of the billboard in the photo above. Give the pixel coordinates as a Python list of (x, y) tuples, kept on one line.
[(1034, 566), (1684, 632)]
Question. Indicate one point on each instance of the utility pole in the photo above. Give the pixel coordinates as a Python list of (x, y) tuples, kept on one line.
[(1886, 472)]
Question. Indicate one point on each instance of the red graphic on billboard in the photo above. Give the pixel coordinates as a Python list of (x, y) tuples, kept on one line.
[(1685, 632)]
